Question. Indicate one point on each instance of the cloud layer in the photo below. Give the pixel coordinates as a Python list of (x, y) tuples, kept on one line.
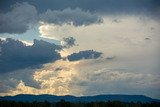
[(131, 64), (147, 7), (85, 77), (24, 15)]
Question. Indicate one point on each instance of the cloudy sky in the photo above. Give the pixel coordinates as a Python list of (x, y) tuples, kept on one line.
[(80, 47)]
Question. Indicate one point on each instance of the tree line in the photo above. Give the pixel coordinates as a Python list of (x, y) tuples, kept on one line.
[(64, 103)]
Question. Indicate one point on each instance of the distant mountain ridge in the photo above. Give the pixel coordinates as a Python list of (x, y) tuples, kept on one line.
[(53, 98)]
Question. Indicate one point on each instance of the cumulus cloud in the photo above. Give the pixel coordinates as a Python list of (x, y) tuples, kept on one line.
[(87, 54), (16, 55), (76, 17), (18, 19)]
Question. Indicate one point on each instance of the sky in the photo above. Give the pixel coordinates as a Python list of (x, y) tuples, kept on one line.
[(80, 47)]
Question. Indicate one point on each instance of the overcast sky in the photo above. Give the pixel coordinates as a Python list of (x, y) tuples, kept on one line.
[(80, 47)]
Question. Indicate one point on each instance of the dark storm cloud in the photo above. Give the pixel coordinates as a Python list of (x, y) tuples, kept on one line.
[(15, 55), (104, 6), (18, 19), (76, 16), (23, 15), (17, 16), (87, 54), (68, 42), (151, 7)]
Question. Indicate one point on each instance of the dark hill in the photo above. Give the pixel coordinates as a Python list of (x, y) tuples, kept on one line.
[(53, 98)]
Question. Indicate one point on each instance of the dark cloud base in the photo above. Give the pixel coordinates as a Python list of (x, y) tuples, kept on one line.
[(16, 55)]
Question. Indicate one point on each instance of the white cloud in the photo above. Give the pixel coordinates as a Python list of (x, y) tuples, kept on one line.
[(135, 68), (111, 38)]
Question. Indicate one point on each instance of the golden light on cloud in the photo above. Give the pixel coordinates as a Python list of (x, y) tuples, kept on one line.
[(79, 77), (54, 78)]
